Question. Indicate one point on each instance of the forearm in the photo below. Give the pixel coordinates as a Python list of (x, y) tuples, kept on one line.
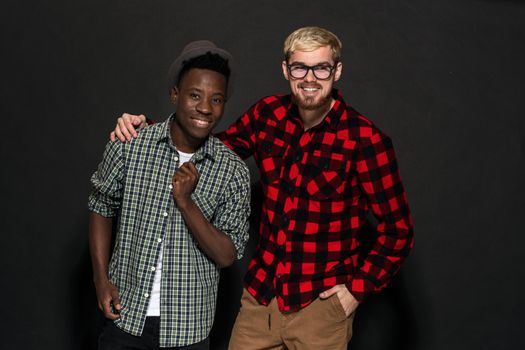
[(213, 242), (379, 179), (99, 245), (383, 260)]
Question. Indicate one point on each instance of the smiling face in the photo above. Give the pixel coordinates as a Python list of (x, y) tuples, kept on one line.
[(309, 92), (199, 100)]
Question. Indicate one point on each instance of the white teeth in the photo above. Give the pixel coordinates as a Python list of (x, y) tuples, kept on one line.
[(310, 89), (200, 122)]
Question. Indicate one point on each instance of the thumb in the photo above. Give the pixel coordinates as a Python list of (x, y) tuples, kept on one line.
[(116, 301), (328, 293)]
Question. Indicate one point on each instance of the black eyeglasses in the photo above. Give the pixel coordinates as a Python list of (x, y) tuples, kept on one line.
[(321, 71)]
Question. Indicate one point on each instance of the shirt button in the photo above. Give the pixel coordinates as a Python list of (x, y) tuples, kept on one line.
[(159, 240), (176, 158), (165, 214), (153, 268), (146, 295), (171, 186)]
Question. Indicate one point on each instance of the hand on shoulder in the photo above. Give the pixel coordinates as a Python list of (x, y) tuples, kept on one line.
[(127, 126)]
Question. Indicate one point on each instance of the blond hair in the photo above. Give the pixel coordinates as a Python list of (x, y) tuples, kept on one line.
[(310, 39)]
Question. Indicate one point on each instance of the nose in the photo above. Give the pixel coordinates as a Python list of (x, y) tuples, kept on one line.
[(310, 76), (204, 106)]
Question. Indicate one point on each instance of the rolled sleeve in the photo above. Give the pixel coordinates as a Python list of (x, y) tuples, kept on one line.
[(233, 215), (107, 182)]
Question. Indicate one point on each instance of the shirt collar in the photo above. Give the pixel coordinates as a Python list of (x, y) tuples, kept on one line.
[(208, 149), (336, 112)]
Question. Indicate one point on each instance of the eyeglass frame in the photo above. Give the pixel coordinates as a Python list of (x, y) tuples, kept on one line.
[(308, 68)]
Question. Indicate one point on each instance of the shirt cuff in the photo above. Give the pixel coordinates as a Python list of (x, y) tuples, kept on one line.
[(360, 288), (98, 207)]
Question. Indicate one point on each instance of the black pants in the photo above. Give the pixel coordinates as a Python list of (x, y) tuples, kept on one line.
[(114, 338)]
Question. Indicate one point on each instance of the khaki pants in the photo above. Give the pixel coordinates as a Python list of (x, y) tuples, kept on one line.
[(322, 325)]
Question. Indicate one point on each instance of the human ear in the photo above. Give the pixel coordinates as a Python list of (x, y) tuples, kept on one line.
[(338, 71), (285, 70), (174, 93)]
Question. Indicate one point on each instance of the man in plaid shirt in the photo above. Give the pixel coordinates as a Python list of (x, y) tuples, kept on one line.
[(323, 168), (182, 201)]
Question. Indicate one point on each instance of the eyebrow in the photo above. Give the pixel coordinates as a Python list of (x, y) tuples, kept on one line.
[(304, 64), (191, 88)]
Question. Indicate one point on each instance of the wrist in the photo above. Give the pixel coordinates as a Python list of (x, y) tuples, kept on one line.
[(185, 204), (100, 278)]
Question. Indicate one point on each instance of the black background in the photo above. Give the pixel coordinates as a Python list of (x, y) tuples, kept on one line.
[(445, 79)]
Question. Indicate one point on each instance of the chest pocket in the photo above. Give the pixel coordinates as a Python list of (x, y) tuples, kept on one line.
[(271, 161), (207, 193), (326, 175), (206, 202)]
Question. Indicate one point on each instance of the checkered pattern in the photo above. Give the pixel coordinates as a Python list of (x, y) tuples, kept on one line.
[(318, 188), (133, 182)]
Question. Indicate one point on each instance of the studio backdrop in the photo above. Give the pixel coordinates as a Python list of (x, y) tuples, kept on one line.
[(445, 80)]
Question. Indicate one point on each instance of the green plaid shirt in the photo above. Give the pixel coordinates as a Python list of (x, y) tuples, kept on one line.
[(133, 182)]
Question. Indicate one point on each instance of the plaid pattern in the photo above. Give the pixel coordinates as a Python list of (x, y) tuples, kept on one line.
[(318, 187), (133, 182)]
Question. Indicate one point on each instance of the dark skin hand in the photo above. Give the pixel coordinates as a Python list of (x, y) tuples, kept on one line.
[(99, 246), (217, 245)]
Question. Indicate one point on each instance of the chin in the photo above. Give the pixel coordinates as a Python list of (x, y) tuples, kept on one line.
[(201, 135), (310, 105)]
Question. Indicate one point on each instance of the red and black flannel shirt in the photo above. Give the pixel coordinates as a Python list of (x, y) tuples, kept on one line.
[(318, 187)]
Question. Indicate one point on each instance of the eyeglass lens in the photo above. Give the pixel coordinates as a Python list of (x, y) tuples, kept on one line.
[(320, 72)]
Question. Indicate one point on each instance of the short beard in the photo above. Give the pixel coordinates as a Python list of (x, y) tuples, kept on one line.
[(309, 105)]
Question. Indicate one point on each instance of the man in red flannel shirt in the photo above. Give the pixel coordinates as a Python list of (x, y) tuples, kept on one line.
[(323, 166)]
